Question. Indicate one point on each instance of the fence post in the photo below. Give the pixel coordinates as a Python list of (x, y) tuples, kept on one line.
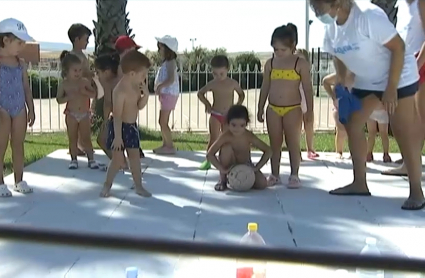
[(318, 73)]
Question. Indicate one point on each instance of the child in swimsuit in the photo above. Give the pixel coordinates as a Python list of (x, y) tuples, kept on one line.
[(107, 72), (76, 92), (79, 35), (234, 148), (124, 44), (340, 133), (222, 88), (308, 126), (168, 90), (123, 132), (283, 75), (16, 102)]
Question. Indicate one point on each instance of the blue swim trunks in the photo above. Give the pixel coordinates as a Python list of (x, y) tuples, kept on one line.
[(130, 135)]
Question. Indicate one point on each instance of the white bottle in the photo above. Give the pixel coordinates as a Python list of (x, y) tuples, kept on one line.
[(254, 269), (372, 250), (131, 272)]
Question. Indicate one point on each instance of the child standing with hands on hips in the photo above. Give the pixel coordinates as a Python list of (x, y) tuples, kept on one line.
[(16, 102), (167, 89), (223, 89)]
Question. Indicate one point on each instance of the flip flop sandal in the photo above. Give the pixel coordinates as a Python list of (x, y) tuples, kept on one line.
[(206, 165), (272, 180), (413, 205), (4, 191), (22, 187), (93, 165), (393, 173), (220, 186), (312, 155), (103, 167), (336, 193), (294, 182), (73, 165)]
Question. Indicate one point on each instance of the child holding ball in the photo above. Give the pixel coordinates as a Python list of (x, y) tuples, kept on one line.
[(234, 147)]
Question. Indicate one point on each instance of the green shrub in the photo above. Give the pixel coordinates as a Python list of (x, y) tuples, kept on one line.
[(43, 87)]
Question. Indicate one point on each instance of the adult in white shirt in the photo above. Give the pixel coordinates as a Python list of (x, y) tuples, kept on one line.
[(413, 34), (364, 41)]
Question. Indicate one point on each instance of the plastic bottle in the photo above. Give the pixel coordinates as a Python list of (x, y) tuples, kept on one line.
[(372, 250), (131, 272), (251, 269)]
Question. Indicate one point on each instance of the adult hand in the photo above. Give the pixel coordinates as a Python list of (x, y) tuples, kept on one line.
[(390, 100)]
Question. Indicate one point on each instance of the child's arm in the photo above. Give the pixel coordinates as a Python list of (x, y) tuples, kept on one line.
[(201, 96), (118, 100), (240, 92), (27, 89), (306, 83), (213, 150), (144, 97), (264, 92), (171, 69), (328, 82), (259, 144), (87, 89), (61, 97), (421, 57)]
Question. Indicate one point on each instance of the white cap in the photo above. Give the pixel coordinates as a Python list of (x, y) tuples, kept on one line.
[(15, 27), (371, 241), (169, 41)]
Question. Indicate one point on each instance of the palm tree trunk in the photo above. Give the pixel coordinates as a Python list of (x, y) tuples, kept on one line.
[(112, 21)]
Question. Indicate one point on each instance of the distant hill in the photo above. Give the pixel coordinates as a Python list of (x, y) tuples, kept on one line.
[(57, 46)]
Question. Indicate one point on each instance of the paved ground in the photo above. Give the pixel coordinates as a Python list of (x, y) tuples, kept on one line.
[(185, 206), (189, 113)]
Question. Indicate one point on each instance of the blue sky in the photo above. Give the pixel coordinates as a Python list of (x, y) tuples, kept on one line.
[(236, 25)]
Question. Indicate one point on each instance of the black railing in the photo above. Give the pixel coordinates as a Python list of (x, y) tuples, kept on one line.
[(46, 236)]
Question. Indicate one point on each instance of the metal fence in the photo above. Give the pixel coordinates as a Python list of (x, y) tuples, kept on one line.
[(189, 114)]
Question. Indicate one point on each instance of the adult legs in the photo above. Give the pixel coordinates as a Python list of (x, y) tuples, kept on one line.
[(404, 125)]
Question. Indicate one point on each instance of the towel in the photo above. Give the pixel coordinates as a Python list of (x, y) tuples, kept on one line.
[(347, 103)]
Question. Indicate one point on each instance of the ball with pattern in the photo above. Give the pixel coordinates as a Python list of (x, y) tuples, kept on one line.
[(241, 178)]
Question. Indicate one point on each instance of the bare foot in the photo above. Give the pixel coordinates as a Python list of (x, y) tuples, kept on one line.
[(369, 157), (351, 190), (339, 156), (142, 192), (105, 193), (387, 158), (413, 204)]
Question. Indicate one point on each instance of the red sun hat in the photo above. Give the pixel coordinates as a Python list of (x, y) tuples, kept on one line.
[(125, 42)]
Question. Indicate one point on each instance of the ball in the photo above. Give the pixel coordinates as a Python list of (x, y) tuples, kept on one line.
[(241, 177)]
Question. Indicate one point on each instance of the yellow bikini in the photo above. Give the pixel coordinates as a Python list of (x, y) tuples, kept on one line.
[(284, 74)]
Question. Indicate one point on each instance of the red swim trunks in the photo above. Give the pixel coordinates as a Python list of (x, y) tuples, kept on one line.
[(421, 72)]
